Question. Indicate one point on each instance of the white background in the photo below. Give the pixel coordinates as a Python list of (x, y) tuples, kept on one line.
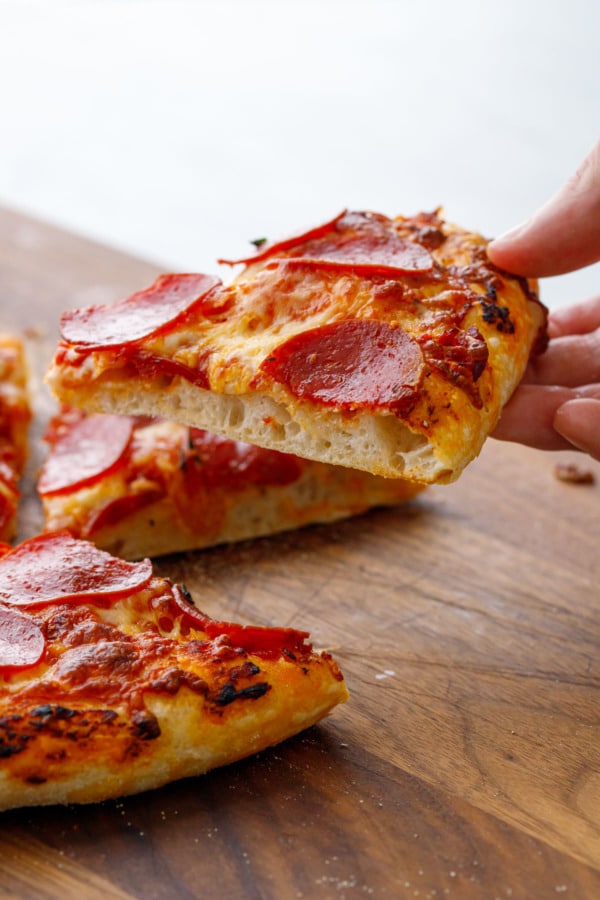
[(180, 130)]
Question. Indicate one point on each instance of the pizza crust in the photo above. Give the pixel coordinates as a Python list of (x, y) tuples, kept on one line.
[(115, 683), (79, 753), (383, 446)]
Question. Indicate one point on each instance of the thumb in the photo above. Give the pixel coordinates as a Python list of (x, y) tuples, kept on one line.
[(563, 235)]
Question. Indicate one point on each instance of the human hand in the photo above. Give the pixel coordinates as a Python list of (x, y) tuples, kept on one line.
[(557, 405), (562, 236)]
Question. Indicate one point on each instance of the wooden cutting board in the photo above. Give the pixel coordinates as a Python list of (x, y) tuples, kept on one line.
[(467, 761)]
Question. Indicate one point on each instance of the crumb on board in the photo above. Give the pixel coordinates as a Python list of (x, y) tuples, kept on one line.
[(573, 474)]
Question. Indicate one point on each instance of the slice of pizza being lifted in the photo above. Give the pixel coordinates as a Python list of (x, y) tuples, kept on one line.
[(15, 416), (388, 345), (113, 682), (145, 487)]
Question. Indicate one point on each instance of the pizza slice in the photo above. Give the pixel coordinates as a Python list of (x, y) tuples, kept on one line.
[(388, 345), (113, 682), (145, 487), (15, 415)]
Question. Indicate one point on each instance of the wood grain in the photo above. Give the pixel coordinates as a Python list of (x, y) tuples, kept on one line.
[(467, 761), (30, 868)]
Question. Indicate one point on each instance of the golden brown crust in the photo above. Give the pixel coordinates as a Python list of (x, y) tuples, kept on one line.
[(132, 695), (458, 330)]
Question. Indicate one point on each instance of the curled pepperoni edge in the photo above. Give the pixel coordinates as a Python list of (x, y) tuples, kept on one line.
[(256, 639), (417, 259), (359, 267), (287, 243)]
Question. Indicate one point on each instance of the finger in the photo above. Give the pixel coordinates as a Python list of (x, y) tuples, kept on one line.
[(579, 318), (588, 390), (528, 418), (571, 361), (563, 235), (579, 422)]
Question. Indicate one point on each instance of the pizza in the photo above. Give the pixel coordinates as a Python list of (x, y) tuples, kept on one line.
[(383, 344), (15, 415), (145, 487), (114, 682)]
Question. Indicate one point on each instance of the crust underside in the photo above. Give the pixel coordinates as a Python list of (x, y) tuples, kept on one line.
[(382, 445)]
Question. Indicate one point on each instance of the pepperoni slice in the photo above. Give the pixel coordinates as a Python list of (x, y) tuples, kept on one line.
[(138, 316), (363, 242), (115, 511), (232, 464), (352, 364), (365, 259), (282, 247), (55, 568), (262, 641), (21, 640), (149, 365), (90, 449)]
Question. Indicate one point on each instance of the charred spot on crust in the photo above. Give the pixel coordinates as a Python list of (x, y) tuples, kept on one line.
[(228, 693), (48, 712), (49, 722), (246, 670), (57, 719), (494, 314), (145, 725), (12, 737)]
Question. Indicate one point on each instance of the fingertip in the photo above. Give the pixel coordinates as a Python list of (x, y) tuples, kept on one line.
[(563, 235), (506, 251), (578, 318), (578, 421), (498, 244)]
